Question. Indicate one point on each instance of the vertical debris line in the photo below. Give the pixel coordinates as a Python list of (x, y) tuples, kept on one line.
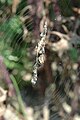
[(40, 54)]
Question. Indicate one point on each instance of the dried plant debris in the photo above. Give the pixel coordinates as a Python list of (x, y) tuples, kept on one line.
[(40, 53)]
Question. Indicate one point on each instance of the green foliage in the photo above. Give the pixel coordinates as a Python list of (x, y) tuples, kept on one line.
[(51, 12), (9, 2), (65, 7), (13, 48), (15, 24), (2, 1), (73, 54)]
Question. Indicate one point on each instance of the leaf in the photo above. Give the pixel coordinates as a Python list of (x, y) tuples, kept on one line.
[(16, 24)]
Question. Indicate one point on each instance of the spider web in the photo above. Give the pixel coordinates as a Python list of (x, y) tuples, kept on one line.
[(11, 41), (54, 99)]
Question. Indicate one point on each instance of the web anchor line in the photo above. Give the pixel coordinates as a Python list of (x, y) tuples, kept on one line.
[(40, 54)]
